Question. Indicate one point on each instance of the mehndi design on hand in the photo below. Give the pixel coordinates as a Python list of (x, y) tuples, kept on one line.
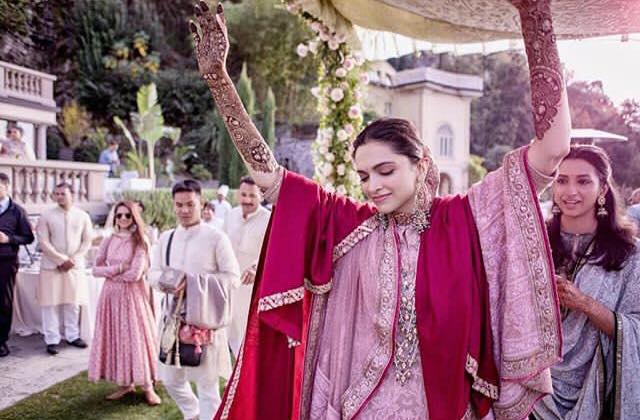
[(212, 47), (544, 62)]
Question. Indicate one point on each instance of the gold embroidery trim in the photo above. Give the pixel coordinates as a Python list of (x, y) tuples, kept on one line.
[(318, 290), (277, 300), (233, 386), (353, 238), (485, 388), (271, 193)]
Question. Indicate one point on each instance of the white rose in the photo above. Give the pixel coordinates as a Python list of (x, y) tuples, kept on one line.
[(323, 149), (315, 91), (316, 26), (328, 187), (324, 36), (327, 169), (336, 94), (357, 94), (330, 157), (364, 78), (357, 56), (341, 169), (342, 135), (341, 190), (293, 7), (341, 72), (354, 112), (302, 50), (349, 129), (333, 45), (348, 64)]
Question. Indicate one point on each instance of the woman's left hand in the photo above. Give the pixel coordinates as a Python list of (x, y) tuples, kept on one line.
[(570, 296)]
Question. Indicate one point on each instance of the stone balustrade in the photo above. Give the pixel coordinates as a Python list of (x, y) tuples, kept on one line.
[(25, 84), (33, 182)]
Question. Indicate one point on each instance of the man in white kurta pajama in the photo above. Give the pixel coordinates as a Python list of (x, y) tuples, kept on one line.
[(204, 254), (246, 226), (64, 234)]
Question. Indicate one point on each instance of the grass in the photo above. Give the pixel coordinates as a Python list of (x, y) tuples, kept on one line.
[(77, 398)]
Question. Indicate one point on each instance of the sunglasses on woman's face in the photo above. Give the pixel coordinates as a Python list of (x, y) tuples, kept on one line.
[(125, 215)]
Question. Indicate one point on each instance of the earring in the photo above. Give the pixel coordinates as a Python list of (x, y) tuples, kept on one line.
[(421, 196), (555, 209), (602, 211)]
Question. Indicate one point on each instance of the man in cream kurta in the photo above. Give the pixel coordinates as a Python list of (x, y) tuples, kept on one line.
[(246, 226), (64, 234), (204, 254)]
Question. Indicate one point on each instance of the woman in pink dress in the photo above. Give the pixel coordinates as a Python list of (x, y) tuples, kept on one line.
[(409, 306), (124, 348)]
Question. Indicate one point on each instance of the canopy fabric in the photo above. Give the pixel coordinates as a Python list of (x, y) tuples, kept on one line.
[(465, 21)]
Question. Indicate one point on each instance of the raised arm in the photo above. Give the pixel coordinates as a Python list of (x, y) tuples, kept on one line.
[(212, 46), (552, 119)]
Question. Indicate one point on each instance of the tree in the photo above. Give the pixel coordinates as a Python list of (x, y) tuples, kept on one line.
[(269, 118), (148, 125), (224, 148)]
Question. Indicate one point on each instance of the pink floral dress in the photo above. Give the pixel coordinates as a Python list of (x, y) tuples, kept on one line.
[(124, 348)]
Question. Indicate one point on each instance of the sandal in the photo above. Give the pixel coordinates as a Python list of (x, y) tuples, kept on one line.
[(124, 390)]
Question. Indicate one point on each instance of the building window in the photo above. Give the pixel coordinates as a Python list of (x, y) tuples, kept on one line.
[(387, 109), (445, 140)]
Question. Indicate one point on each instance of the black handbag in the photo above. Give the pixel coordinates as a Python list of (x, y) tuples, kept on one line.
[(172, 351)]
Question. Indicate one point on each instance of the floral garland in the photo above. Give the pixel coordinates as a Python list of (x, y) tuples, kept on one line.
[(338, 93)]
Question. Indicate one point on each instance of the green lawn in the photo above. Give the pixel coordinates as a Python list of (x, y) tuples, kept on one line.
[(77, 398)]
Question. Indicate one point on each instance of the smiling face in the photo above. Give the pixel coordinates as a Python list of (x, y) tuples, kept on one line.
[(577, 188), (387, 178), (123, 218)]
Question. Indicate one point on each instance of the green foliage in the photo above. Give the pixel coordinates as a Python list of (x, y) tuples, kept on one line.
[(269, 119), (55, 142), (199, 171), (13, 16), (225, 148), (158, 206), (148, 125), (74, 123), (476, 171), (86, 151), (185, 98), (264, 36)]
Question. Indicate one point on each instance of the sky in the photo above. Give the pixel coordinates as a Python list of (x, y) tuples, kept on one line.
[(614, 62)]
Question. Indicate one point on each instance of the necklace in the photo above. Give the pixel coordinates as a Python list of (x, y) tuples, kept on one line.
[(406, 347)]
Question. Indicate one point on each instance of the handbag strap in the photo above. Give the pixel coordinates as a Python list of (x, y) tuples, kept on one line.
[(168, 252)]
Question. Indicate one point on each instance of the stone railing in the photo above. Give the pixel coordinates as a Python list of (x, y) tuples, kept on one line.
[(26, 84), (33, 182)]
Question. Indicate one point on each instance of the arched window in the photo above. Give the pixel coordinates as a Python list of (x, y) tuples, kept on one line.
[(445, 140)]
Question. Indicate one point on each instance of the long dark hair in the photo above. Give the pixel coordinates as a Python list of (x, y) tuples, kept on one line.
[(614, 240), (139, 238), (398, 133)]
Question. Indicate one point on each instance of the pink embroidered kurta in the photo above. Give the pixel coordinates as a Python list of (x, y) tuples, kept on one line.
[(124, 348), (326, 317)]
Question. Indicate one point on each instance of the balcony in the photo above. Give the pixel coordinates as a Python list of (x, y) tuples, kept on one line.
[(33, 182), (23, 84)]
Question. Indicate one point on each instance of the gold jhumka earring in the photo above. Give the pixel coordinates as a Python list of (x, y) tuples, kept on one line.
[(602, 211)]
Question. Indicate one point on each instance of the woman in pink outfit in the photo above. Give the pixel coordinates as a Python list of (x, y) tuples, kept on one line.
[(124, 347)]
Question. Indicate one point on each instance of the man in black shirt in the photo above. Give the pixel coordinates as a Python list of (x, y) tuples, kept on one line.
[(15, 230)]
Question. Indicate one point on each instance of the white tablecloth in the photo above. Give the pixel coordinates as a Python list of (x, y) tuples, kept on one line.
[(27, 314)]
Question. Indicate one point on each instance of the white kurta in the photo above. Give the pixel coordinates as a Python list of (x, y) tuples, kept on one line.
[(246, 237), (198, 250), (63, 234), (221, 208)]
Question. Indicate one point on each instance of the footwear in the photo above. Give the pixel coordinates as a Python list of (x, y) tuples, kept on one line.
[(152, 398), (4, 350), (52, 349), (78, 342), (121, 392)]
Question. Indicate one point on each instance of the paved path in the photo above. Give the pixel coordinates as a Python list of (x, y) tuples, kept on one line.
[(29, 369)]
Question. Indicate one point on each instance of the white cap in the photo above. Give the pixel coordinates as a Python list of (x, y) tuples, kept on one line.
[(223, 190)]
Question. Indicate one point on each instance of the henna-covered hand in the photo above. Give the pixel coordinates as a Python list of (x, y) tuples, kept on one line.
[(212, 42), (212, 46), (544, 62)]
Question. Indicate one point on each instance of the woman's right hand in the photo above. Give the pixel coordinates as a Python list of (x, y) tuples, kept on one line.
[(212, 41)]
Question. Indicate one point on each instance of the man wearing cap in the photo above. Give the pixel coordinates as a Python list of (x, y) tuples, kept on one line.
[(221, 204)]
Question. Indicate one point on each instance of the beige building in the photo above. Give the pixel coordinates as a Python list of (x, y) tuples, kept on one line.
[(439, 105)]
